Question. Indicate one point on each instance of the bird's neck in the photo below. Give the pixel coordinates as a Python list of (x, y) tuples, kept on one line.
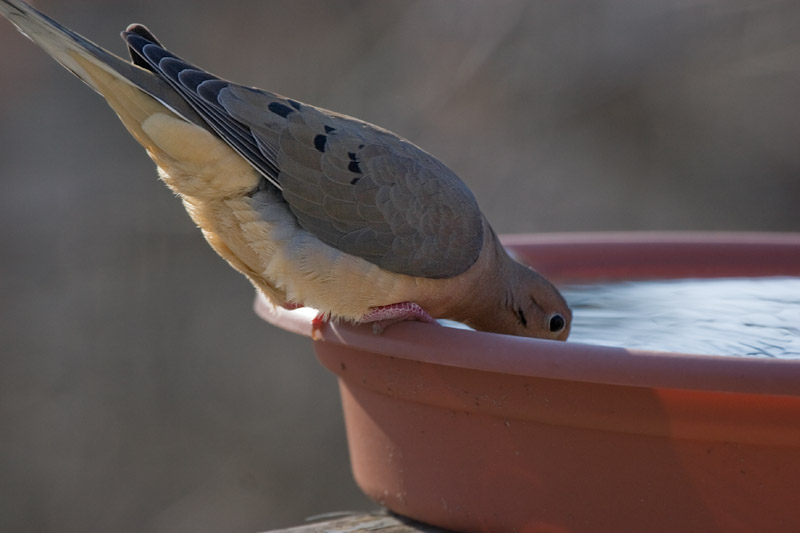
[(488, 291)]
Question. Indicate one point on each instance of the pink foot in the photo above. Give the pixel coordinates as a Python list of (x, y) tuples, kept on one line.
[(317, 322), (292, 305), (386, 315)]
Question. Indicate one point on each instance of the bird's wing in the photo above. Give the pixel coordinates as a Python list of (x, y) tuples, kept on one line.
[(356, 187)]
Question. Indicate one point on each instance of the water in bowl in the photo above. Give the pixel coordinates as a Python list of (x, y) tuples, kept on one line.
[(722, 316)]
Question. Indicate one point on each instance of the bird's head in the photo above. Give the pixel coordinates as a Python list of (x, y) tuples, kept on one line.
[(528, 306), (535, 308)]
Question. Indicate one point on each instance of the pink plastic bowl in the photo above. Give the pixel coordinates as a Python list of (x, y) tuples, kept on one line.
[(483, 432)]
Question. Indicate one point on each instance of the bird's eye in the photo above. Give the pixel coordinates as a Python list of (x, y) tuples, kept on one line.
[(556, 323)]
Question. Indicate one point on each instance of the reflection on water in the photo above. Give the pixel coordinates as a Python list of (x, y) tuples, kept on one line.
[(737, 316)]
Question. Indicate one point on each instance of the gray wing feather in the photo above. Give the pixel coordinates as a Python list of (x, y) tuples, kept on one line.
[(356, 187)]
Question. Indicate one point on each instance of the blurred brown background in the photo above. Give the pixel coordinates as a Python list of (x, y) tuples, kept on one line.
[(138, 392)]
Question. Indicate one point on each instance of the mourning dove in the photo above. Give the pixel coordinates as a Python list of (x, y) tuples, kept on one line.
[(316, 208)]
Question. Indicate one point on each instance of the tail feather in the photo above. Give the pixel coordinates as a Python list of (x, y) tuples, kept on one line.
[(95, 66)]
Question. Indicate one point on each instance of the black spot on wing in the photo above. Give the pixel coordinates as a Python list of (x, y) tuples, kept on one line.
[(329, 129), (319, 142), (353, 166), (295, 104), (280, 109)]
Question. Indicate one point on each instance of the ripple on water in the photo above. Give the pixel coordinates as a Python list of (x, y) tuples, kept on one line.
[(723, 316)]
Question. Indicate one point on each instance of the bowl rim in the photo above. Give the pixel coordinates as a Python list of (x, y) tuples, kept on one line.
[(568, 360)]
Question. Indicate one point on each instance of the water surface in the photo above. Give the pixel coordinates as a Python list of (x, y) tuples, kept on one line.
[(728, 316)]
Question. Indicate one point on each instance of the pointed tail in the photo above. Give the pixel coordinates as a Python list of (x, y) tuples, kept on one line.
[(103, 71)]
